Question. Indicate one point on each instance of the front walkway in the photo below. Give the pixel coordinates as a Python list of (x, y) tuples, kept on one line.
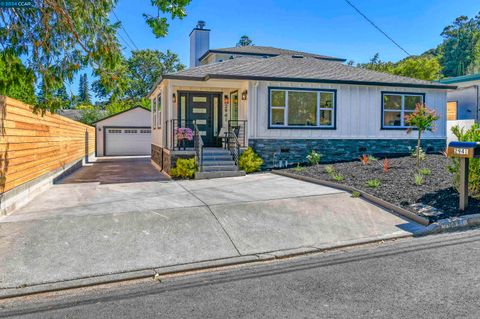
[(79, 230)]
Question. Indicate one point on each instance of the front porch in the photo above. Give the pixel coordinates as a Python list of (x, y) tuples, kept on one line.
[(201, 120)]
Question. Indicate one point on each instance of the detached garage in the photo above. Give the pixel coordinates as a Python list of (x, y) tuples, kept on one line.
[(125, 133)]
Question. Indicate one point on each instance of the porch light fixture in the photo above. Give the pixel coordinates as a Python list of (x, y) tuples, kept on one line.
[(244, 95), (174, 98), (226, 99)]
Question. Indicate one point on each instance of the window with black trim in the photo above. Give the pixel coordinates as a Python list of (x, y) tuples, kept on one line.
[(300, 108), (395, 106)]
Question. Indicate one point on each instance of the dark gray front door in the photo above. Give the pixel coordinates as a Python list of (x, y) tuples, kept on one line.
[(205, 110)]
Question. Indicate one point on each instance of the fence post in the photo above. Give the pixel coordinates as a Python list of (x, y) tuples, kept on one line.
[(86, 145)]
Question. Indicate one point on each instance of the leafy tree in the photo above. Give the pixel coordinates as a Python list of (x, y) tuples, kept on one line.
[(423, 68), (60, 37), (422, 119), (83, 90), (16, 81), (418, 67), (461, 47), (244, 41), (90, 113), (138, 74)]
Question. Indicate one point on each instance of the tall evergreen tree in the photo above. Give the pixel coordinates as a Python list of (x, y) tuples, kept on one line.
[(83, 90)]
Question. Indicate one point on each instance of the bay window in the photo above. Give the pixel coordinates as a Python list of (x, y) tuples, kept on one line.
[(302, 108), (395, 106)]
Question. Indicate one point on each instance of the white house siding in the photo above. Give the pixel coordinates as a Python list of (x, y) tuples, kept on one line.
[(137, 117), (359, 113)]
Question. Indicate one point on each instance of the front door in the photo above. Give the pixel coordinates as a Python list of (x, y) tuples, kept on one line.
[(205, 110)]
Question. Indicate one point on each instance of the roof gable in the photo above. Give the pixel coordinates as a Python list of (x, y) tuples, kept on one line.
[(122, 112)]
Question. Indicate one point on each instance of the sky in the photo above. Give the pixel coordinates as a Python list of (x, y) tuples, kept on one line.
[(328, 27)]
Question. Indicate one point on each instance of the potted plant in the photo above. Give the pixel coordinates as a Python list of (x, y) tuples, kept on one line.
[(184, 134)]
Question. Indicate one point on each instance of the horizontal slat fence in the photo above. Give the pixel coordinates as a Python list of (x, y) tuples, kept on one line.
[(32, 145)]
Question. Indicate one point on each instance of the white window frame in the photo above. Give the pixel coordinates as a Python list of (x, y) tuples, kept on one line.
[(402, 109), (159, 110), (333, 109), (152, 107)]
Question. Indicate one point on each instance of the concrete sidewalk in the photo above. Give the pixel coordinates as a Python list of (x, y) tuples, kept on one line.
[(84, 230)]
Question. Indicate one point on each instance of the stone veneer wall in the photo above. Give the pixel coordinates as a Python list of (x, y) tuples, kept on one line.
[(335, 150), (166, 158)]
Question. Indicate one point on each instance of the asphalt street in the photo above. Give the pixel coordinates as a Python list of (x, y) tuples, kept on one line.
[(428, 277)]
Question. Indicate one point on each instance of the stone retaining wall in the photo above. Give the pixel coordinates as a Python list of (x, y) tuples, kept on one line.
[(276, 152), (166, 159)]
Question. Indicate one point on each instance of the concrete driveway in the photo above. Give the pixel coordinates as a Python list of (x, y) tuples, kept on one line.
[(85, 229)]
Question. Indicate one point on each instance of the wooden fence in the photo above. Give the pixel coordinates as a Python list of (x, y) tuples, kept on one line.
[(32, 145)]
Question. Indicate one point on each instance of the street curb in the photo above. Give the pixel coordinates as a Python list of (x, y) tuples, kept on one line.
[(452, 223), (375, 200), (158, 272)]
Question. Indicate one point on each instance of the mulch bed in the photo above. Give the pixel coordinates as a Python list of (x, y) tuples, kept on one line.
[(398, 187)]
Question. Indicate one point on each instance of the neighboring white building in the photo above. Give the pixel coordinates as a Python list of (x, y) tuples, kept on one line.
[(125, 133), (285, 103)]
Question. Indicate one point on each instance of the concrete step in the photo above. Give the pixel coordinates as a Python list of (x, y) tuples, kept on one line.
[(219, 168), (220, 174), (227, 153), (218, 162), (219, 157)]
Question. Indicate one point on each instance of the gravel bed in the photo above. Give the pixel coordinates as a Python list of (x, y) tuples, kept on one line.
[(437, 196)]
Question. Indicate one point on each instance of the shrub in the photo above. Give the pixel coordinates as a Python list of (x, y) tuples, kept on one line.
[(355, 194), (337, 177), (298, 168), (418, 179), (423, 119), (249, 161), (425, 171), (329, 169), (470, 135), (314, 158), (386, 165), (373, 183), (372, 158), (418, 152), (185, 168)]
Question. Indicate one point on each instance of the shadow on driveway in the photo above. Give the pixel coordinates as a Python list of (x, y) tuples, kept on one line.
[(114, 170)]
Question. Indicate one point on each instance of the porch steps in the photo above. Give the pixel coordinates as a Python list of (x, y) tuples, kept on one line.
[(217, 163)]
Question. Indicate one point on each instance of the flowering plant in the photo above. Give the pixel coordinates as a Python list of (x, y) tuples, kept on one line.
[(184, 133)]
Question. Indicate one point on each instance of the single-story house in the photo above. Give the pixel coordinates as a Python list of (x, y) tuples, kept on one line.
[(284, 104), (464, 102), (125, 133)]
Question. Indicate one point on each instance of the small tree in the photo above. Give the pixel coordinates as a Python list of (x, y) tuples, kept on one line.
[(244, 41), (423, 119)]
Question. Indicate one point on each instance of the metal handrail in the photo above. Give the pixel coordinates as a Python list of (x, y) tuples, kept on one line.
[(233, 145), (240, 126), (198, 145)]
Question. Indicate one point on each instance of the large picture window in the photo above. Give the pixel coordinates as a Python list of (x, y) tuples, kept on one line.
[(300, 108), (395, 106)]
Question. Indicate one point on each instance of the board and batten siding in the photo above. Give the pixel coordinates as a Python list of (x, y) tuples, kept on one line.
[(32, 145), (359, 112)]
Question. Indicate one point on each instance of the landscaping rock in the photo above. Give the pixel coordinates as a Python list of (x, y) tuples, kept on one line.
[(435, 199)]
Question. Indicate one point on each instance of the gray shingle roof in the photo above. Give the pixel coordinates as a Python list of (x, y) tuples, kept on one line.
[(267, 51), (288, 68)]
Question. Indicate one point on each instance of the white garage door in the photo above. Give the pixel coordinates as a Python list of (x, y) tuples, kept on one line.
[(128, 141)]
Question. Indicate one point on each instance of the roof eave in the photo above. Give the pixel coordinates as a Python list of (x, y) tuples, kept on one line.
[(309, 80)]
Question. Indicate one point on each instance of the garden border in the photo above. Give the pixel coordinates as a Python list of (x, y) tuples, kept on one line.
[(380, 202)]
